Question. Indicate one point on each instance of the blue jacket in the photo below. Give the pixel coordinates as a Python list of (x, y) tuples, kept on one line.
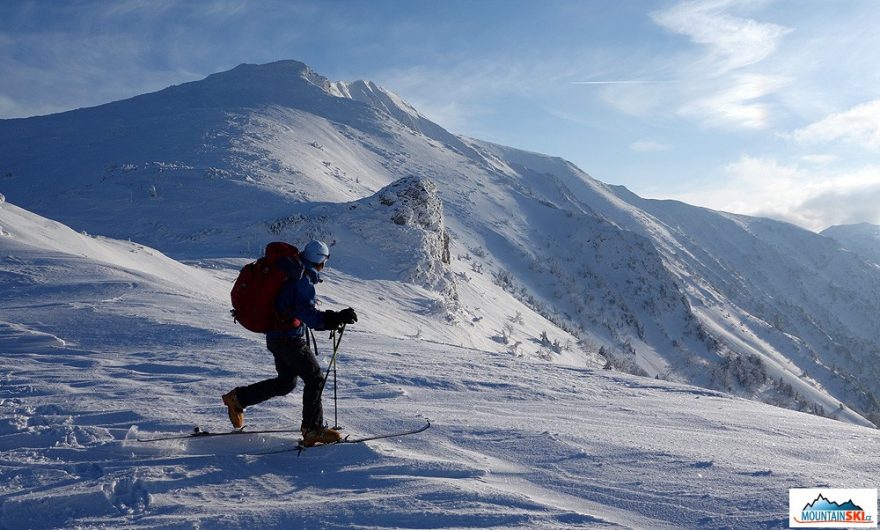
[(297, 299)]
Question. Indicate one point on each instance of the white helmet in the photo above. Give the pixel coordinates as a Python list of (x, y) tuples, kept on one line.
[(316, 252)]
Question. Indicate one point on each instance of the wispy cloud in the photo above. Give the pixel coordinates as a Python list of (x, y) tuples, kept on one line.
[(859, 125), (739, 103), (750, 74), (53, 71), (87, 53), (716, 85), (457, 91), (811, 196), (730, 42), (623, 82), (649, 146), (820, 158)]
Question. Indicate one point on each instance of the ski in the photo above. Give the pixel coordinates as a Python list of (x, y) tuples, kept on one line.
[(348, 440), (197, 432)]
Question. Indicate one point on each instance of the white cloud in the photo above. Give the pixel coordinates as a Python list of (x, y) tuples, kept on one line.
[(731, 42), (820, 158), (843, 207), (859, 125), (637, 100), (814, 197), (717, 85), (738, 104), (762, 170)]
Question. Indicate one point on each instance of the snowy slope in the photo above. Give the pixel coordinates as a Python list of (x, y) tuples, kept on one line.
[(862, 238), (211, 170), (788, 312), (104, 340)]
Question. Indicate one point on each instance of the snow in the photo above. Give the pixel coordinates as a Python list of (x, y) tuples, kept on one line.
[(861, 238), (493, 286), (644, 284), (111, 344)]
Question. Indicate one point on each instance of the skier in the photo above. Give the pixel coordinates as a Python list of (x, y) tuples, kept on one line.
[(295, 307)]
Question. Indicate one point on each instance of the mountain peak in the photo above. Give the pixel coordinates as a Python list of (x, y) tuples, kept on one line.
[(857, 228), (278, 81), (295, 84), (278, 71), (861, 238), (294, 75)]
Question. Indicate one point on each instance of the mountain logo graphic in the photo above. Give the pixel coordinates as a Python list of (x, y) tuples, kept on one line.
[(827, 509), (823, 504)]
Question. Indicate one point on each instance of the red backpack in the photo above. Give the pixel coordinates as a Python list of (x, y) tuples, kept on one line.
[(257, 285)]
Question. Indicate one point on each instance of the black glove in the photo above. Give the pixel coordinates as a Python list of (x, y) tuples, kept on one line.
[(348, 316), (335, 319)]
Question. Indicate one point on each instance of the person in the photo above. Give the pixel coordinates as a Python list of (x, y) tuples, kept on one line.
[(295, 314)]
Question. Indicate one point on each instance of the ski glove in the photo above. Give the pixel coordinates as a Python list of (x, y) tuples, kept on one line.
[(335, 319), (348, 316)]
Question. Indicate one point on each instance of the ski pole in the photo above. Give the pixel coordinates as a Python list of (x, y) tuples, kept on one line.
[(335, 405), (337, 340)]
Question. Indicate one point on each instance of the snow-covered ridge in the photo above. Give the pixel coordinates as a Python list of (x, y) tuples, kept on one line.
[(207, 169), (376, 96), (396, 234), (862, 238), (25, 234), (294, 84)]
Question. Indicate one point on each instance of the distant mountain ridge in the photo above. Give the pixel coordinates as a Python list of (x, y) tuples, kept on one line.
[(861, 238), (213, 168)]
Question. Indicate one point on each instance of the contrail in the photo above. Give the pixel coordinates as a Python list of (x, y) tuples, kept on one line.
[(631, 82)]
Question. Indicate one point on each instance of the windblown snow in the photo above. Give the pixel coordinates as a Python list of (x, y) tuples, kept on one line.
[(502, 294)]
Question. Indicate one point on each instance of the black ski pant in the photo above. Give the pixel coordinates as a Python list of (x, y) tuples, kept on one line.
[(293, 358)]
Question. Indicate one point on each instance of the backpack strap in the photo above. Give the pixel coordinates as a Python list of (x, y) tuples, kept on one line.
[(294, 271)]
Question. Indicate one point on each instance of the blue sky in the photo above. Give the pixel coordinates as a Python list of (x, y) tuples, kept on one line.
[(753, 106)]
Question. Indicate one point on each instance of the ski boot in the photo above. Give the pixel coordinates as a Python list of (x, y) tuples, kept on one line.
[(236, 411), (321, 435)]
